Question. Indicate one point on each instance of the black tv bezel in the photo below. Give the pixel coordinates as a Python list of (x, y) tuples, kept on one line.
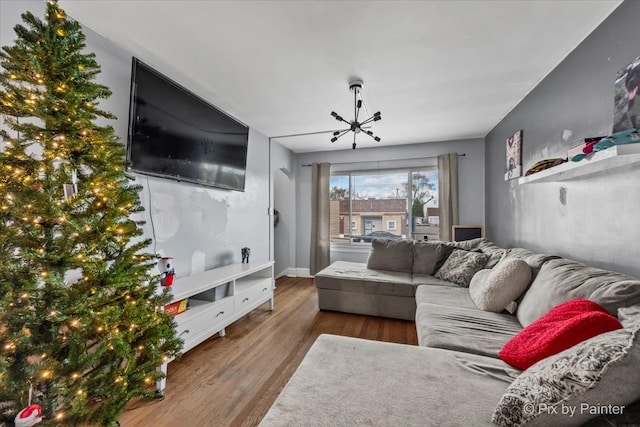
[(178, 178)]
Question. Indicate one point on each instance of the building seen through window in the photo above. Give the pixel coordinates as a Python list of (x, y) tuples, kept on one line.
[(384, 204)]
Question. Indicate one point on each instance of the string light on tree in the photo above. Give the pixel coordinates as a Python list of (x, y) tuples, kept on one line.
[(67, 209)]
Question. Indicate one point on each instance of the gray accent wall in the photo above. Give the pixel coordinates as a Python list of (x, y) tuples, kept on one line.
[(470, 174), (592, 219), (201, 227)]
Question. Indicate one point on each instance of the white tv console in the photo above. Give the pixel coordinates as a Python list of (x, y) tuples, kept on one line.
[(247, 287)]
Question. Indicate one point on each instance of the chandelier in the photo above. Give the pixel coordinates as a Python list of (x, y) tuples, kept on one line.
[(355, 126)]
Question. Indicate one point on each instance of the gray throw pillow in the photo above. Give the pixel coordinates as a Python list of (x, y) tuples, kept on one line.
[(495, 252), (461, 265), (427, 256), (597, 376), (493, 290), (392, 255)]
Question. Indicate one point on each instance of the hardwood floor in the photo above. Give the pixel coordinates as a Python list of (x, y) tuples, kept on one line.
[(232, 381)]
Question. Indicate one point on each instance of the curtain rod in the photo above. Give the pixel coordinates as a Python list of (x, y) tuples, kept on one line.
[(369, 161)]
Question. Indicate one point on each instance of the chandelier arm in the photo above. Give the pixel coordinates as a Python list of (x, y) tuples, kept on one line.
[(377, 139), (339, 118), (343, 132), (373, 118)]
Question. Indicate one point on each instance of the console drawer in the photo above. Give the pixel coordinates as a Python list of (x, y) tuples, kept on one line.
[(199, 322), (251, 296)]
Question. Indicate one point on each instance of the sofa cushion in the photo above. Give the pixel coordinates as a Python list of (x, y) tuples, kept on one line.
[(426, 279), (561, 280), (602, 371), (345, 381), (494, 290), (495, 252), (461, 266), (453, 296), (535, 260), (392, 255), (356, 277), (467, 245), (429, 255), (561, 328), (628, 316), (480, 244), (464, 329), (628, 418)]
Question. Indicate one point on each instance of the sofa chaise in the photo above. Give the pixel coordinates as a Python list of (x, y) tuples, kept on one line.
[(456, 376)]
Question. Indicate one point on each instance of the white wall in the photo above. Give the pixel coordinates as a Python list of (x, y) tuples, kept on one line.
[(470, 175), (284, 193), (201, 227)]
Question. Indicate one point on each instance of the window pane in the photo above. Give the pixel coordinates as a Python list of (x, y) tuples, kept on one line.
[(387, 204), (339, 231), (379, 201), (425, 212)]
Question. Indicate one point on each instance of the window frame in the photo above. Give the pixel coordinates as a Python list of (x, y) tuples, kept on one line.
[(409, 214)]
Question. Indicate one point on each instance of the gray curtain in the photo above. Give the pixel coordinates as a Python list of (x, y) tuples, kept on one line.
[(448, 193), (320, 256)]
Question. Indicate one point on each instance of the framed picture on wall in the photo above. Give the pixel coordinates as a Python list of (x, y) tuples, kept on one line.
[(626, 108), (514, 156)]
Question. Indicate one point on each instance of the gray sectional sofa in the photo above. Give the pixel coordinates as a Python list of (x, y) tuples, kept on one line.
[(386, 285), (454, 377)]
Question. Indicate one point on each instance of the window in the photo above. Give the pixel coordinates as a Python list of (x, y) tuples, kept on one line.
[(390, 204)]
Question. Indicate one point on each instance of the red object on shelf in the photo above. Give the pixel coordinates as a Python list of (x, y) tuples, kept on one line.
[(177, 307), (167, 279), (167, 272)]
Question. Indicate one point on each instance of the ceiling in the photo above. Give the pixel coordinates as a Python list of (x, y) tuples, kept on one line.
[(437, 70)]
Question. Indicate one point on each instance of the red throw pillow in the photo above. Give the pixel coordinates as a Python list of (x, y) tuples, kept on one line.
[(562, 327)]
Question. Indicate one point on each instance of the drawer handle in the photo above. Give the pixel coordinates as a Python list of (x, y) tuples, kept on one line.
[(220, 314), (265, 289), (245, 300), (186, 331)]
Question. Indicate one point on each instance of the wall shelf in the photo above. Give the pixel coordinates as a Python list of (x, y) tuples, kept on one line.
[(611, 158)]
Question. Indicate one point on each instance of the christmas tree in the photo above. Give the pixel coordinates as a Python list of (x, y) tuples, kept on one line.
[(82, 325)]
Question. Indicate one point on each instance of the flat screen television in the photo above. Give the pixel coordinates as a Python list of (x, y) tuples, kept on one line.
[(175, 134)]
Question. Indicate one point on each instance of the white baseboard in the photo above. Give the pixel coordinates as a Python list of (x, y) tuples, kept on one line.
[(285, 272), (294, 272), (303, 272)]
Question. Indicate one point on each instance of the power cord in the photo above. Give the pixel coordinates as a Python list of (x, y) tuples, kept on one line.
[(153, 227)]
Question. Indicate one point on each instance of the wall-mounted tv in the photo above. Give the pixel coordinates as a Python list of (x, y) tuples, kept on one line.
[(175, 134)]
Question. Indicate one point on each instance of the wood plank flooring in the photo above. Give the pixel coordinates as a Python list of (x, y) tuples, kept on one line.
[(232, 381)]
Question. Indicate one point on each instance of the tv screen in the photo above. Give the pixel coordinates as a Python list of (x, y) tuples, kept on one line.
[(175, 134)]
